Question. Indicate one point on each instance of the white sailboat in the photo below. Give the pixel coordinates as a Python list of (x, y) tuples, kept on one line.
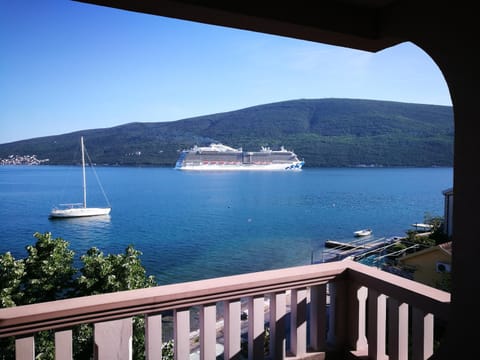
[(80, 209)]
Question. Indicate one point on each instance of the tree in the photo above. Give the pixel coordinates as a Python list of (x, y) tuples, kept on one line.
[(49, 270), (11, 274), (103, 274), (47, 274)]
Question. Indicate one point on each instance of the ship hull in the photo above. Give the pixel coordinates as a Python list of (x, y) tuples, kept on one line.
[(79, 212), (218, 157), (249, 167)]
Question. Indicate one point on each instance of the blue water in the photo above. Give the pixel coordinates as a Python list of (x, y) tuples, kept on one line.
[(192, 225)]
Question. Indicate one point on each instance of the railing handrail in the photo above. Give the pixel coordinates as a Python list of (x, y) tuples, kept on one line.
[(66, 313)]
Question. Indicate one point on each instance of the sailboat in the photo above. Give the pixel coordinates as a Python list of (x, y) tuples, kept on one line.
[(80, 209)]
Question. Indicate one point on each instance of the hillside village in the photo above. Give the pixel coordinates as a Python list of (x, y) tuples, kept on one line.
[(23, 160)]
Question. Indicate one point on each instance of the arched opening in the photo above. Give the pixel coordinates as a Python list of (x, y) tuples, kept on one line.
[(463, 90), (160, 69)]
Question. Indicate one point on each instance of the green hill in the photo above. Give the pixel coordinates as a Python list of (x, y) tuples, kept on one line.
[(324, 132)]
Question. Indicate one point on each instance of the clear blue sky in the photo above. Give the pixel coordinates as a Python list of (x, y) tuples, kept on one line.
[(67, 66)]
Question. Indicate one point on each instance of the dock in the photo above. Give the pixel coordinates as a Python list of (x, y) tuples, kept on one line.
[(338, 250), (338, 244)]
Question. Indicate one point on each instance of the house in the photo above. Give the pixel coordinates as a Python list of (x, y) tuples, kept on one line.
[(448, 212), (429, 265)]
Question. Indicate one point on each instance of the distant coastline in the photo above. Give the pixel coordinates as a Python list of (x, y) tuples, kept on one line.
[(32, 160), (322, 132)]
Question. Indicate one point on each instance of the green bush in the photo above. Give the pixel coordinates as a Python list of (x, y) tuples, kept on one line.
[(47, 274)]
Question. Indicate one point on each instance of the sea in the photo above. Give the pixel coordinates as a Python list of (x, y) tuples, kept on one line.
[(197, 225)]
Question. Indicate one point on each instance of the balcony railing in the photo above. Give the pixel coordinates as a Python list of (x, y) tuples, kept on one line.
[(340, 307)]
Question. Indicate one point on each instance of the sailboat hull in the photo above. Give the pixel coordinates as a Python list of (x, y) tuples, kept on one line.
[(78, 212)]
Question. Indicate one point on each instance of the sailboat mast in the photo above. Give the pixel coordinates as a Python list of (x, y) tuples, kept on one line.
[(83, 173)]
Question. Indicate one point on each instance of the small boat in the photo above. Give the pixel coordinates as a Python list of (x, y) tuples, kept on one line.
[(422, 227), (363, 232), (80, 209)]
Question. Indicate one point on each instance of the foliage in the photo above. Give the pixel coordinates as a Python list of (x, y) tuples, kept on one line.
[(445, 283), (47, 274), (266, 344), (435, 221), (413, 237), (437, 234), (44, 345), (324, 132), (111, 273), (434, 237), (168, 350), (101, 274), (48, 269), (11, 274), (82, 341)]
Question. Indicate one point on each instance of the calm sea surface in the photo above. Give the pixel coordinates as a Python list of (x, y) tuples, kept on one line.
[(194, 225)]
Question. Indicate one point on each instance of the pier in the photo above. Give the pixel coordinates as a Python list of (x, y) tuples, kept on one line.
[(338, 250)]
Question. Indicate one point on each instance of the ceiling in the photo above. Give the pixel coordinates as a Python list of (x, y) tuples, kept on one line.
[(350, 23)]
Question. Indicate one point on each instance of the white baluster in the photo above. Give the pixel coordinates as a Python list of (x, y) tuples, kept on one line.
[(181, 334), (232, 329), (256, 327), (153, 336), (113, 339), (25, 348), (63, 345), (362, 342), (208, 331), (278, 309), (298, 327)]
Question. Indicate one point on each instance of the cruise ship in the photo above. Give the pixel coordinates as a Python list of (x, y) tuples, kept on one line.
[(217, 156)]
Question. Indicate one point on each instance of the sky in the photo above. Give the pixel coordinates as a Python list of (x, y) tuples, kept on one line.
[(67, 66)]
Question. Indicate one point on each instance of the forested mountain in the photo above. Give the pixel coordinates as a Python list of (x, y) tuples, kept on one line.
[(323, 132)]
